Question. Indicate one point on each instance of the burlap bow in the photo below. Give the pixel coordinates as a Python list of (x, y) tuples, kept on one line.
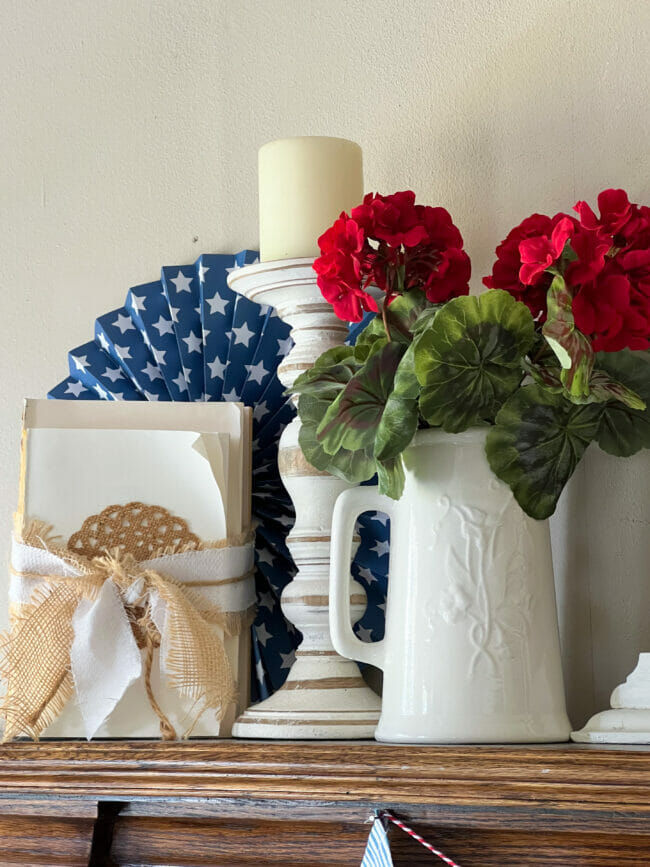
[(90, 627)]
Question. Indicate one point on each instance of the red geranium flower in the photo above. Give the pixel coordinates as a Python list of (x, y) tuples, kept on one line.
[(539, 253), (615, 211), (395, 245), (505, 272), (607, 269), (339, 269)]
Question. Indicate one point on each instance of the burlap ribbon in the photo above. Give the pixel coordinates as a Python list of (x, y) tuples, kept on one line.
[(90, 627)]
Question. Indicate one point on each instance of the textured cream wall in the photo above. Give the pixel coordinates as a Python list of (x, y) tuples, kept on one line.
[(128, 139)]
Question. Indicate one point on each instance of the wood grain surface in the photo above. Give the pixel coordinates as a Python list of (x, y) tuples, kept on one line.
[(307, 803)]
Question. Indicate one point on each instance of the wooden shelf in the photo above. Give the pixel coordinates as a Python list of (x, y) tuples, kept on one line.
[(276, 802)]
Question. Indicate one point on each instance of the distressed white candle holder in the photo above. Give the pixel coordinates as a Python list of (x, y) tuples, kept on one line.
[(324, 695), (628, 719)]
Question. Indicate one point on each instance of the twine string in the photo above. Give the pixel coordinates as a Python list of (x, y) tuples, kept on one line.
[(387, 816)]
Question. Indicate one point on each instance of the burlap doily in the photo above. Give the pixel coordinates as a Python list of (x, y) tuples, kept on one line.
[(137, 529)]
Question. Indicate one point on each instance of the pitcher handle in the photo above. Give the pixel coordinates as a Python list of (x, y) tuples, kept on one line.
[(349, 505)]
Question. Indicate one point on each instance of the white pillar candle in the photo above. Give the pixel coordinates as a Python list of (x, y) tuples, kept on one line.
[(304, 184)]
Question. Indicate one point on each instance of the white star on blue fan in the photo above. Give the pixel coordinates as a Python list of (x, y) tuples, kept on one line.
[(180, 382), (267, 601), (193, 342), (363, 633), (264, 556), (243, 334), (381, 548), (137, 302), (261, 410), (366, 574), (187, 373), (112, 373), (230, 395), (262, 633), (202, 272), (124, 323), (259, 671), (80, 362), (159, 355), (257, 372), (288, 659), (284, 346), (217, 368), (103, 341), (123, 352), (164, 326), (218, 304), (174, 313), (101, 392), (382, 517), (152, 372), (150, 396), (234, 267), (181, 282), (75, 388)]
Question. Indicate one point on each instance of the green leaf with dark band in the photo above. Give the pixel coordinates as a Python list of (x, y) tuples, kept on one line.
[(351, 421), (624, 430), (399, 420), (536, 444), (354, 467), (329, 374), (571, 347), (470, 359)]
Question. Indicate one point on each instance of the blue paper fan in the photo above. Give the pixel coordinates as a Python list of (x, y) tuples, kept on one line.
[(188, 336)]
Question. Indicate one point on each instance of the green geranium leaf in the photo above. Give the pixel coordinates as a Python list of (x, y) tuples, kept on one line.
[(536, 444), (352, 420), (623, 429), (470, 359), (390, 476), (604, 389), (571, 347), (354, 467), (549, 377), (399, 420), (404, 311), (424, 320), (401, 315), (373, 334), (329, 374)]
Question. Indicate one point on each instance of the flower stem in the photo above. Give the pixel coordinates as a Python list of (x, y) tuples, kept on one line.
[(385, 319)]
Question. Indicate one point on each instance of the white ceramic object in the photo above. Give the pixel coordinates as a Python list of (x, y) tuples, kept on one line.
[(324, 695), (471, 652), (628, 720)]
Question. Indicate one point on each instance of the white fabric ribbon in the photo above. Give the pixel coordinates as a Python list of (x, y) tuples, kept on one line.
[(105, 658)]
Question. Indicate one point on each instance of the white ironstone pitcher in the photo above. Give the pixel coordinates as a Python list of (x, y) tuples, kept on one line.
[(471, 652)]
